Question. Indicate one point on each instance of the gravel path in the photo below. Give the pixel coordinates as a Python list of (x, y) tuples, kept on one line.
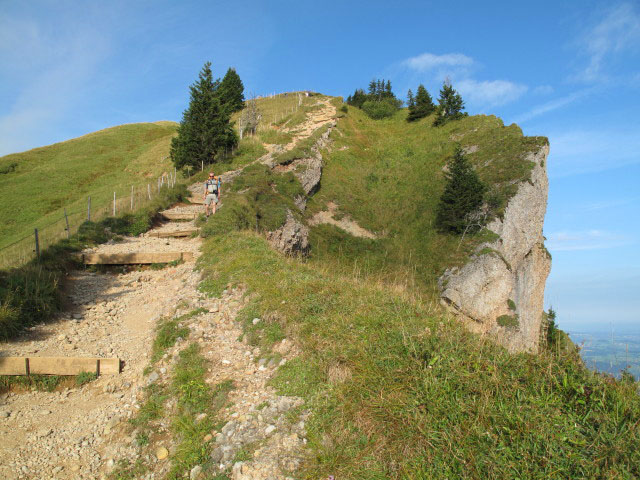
[(81, 432)]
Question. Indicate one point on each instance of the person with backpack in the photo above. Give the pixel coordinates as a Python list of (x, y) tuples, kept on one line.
[(212, 192)]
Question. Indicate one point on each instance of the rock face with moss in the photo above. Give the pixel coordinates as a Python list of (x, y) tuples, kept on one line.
[(292, 238), (500, 291)]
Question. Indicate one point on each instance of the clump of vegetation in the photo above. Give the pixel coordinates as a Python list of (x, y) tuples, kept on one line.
[(380, 102), (508, 321), (460, 202), (85, 377), (421, 105), (450, 105), (259, 199), (8, 168), (194, 396), (167, 332)]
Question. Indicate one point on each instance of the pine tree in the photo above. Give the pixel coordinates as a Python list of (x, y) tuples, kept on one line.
[(450, 104), (462, 195), (410, 100), (205, 128), (423, 105), (231, 91)]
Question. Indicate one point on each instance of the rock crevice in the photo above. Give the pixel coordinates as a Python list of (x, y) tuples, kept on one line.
[(506, 277)]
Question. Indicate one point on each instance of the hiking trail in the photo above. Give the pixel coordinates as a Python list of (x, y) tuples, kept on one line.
[(81, 432)]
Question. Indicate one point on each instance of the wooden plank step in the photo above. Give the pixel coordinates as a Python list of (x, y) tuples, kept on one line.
[(58, 365), (179, 216), (141, 258), (176, 234)]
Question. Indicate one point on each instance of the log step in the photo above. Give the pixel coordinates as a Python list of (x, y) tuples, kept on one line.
[(179, 216), (133, 258), (176, 234), (58, 365)]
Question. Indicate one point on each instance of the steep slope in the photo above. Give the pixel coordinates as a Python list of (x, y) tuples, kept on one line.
[(41, 182), (387, 176)]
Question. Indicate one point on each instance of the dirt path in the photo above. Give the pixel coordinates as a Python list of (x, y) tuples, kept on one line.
[(345, 223), (80, 432)]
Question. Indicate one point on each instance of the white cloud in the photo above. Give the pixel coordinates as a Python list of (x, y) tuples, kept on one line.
[(430, 68), (618, 31), (550, 106), (585, 240), (543, 90), (490, 93), (429, 61)]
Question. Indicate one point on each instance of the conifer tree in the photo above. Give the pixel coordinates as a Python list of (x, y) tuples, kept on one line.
[(462, 195), (205, 128), (410, 100), (450, 104), (423, 105), (231, 91)]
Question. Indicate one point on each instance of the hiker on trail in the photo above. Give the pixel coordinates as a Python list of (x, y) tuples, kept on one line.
[(212, 193)]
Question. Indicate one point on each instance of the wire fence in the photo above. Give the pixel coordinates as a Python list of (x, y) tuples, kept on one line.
[(274, 107), (66, 224)]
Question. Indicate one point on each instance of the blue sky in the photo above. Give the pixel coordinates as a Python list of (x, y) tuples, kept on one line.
[(567, 70)]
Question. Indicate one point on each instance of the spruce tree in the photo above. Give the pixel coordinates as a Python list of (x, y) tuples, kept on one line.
[(410, 100), (423, 105), (231, 91), (450, 104), (462, 195), (205, 128)]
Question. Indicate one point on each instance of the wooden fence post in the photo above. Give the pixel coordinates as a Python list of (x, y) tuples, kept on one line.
[(114, 204), (35, 231), (66, 219), (132, 198), (89, 210)]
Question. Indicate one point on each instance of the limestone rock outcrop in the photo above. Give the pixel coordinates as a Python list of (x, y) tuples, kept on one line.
[(500, 291), (292, 238)]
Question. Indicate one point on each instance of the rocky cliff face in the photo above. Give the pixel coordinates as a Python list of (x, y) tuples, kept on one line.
[(500, 291)]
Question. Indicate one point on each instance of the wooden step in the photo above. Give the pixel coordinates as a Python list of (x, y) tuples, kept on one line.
[(176, 234), (141, 258), (58, 365), (179, 216)]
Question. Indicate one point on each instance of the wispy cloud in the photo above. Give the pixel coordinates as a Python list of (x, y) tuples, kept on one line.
[(430, 61), (617, 32), (429, 67), (490, 93), (552, 105), (586, 240)]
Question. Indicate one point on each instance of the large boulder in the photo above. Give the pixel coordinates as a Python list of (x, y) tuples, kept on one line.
[(292, 238)]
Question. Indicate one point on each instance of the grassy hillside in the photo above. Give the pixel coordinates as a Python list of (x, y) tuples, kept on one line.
[(397, 388), (399, 391), (36, 185), (388, 176)]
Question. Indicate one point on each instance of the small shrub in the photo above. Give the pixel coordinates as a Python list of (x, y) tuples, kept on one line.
[(379, 109), (8, 168), (344, 108), (508, 321), (85, 377)]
